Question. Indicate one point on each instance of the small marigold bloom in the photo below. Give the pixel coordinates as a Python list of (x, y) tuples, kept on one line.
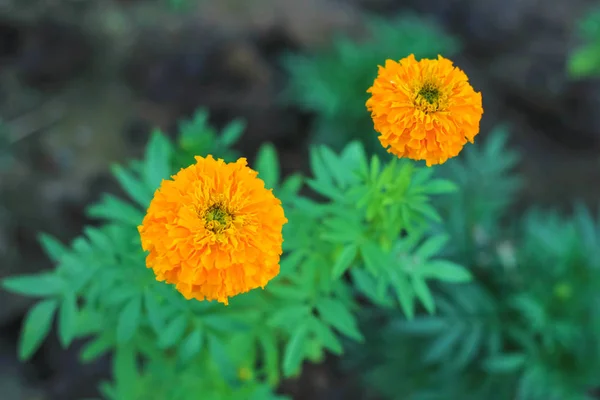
[(424, 110), (214, 230)]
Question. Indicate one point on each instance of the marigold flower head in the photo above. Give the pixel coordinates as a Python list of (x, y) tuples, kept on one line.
[(214, 230), (424, 110)]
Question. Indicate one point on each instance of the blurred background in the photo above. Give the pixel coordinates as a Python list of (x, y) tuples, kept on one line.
[(84, 82)]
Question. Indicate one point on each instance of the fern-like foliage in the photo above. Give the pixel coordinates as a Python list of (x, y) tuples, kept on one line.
[(333, 84), (526, 328)]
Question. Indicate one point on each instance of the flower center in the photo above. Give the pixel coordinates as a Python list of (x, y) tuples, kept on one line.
[(428, 98), (430, 93), (216, 218)]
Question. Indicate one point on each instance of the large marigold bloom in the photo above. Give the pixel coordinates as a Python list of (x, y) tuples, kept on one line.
[(214, 230), (424, 110)]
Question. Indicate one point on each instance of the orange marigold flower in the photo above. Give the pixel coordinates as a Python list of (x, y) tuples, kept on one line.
[(214, 230), (424, 110)]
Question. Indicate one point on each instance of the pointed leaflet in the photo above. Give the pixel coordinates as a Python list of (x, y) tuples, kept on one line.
[(335, 313), (67, 319), (129, 320), (295, 350), (157, 164), (39, 285), (36, 326), (267, 165)]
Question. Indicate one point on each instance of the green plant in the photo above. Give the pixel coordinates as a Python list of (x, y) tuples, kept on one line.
[(584, 61), (332, 84), (368, 236), (525, 328)]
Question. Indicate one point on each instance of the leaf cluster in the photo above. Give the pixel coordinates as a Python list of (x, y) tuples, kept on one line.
[(526, 327), (363, 236), (332, 83)]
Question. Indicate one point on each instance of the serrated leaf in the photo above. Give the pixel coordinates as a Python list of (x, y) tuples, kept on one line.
[(432, 246), (156, 165), (285, 316), (426, 210), (96, 348), (153, 311), (584, 61), (326, 336), (335, 313), (444, 344), (344, 260), (99, 239), (129, 320), (404, 293), (422, 326), (191, 345), (40, 285), (114, 209), (295, 350), (292, 184), (221, 359), (36, 326), (53, 248), (132, 186), (423, 294), (445, 271), (125, 373), (67, 319), (270, 349), (504, 363), (439, 186), (173, 331), (232, 132), (376, 260), (267, 165)]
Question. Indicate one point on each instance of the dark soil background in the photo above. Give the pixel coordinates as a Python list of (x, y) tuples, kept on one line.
[(82, 83)]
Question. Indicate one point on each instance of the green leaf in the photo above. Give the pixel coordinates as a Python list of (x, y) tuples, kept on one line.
[(344, 260), (584, 61), (232, 132), (295, 350), (40, 285), (191, 345), (286, 316), (426, 210), (112, 208), (270, 348), (132, 186), (327, 337), (504, 363), (221, 359), (96, 348), (423, 294), (36, 326), (432, 246), (153, 310), (404, 292), (67, 319), (439, 186), (421, 326), (129, 320), (52, 247), (99, 239), (444, 345), (173, 331), (292, 184), (446, 271), (125, 372), (267, 165), (335, 313), (374, 257), (157, 162)]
